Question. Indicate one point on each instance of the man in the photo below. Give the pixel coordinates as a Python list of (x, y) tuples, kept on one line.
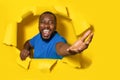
[(49, 44)]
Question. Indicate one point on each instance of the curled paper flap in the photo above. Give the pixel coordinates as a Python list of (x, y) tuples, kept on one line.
[(10, 37), (80, 24), (72, 60), (23, 63), (60, 10), (44, 65)]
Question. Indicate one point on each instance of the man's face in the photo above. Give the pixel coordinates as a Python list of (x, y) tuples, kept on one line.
[(47, 25)]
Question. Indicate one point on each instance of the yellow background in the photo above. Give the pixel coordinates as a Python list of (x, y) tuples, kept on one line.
[(104, 15)]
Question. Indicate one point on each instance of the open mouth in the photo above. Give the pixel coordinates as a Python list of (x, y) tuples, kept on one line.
[(46, 33)]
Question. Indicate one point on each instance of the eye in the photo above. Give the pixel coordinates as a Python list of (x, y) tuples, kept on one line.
[(51, 22), (42, 21)]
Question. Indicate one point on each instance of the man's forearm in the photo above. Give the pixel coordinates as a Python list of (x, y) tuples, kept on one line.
[(27, 45), (62, 49)]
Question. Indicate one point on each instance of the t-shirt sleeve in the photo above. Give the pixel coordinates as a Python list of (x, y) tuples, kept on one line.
[(33, 40), (61, 39)]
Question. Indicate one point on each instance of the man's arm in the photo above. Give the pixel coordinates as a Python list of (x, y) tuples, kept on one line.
[(61, 48), (80, 45), (25, 52)]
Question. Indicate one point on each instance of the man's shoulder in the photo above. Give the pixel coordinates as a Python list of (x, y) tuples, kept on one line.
[(57, 34), (59, 37)]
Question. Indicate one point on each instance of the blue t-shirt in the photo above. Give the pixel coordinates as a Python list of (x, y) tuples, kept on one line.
[(46, 48)]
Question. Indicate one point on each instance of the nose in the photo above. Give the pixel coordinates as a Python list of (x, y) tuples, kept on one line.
[(46, 25)]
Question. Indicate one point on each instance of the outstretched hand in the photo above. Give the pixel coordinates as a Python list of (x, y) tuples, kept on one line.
[(81, 44)]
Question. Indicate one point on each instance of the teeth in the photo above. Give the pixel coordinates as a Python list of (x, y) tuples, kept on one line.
[(46, 31)]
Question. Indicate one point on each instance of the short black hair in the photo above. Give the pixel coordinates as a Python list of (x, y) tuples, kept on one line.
[(48, 12)]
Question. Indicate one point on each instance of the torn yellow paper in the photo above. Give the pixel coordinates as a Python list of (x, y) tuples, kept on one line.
[(24, 63), (61, 10), (44, 65), (24, 15), (80, 24), (10, 37), (73, 61)]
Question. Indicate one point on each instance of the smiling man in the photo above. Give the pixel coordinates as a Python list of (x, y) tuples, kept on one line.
[(50, 44)]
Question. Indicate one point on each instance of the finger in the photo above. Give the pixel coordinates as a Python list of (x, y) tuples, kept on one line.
[(83, 47), (70, 48), (23, 54), (89, 39), (73, 51), (22, 57), (86, 34), (27, 54)]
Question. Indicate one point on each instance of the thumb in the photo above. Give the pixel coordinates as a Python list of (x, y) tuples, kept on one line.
[(68, 49)]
